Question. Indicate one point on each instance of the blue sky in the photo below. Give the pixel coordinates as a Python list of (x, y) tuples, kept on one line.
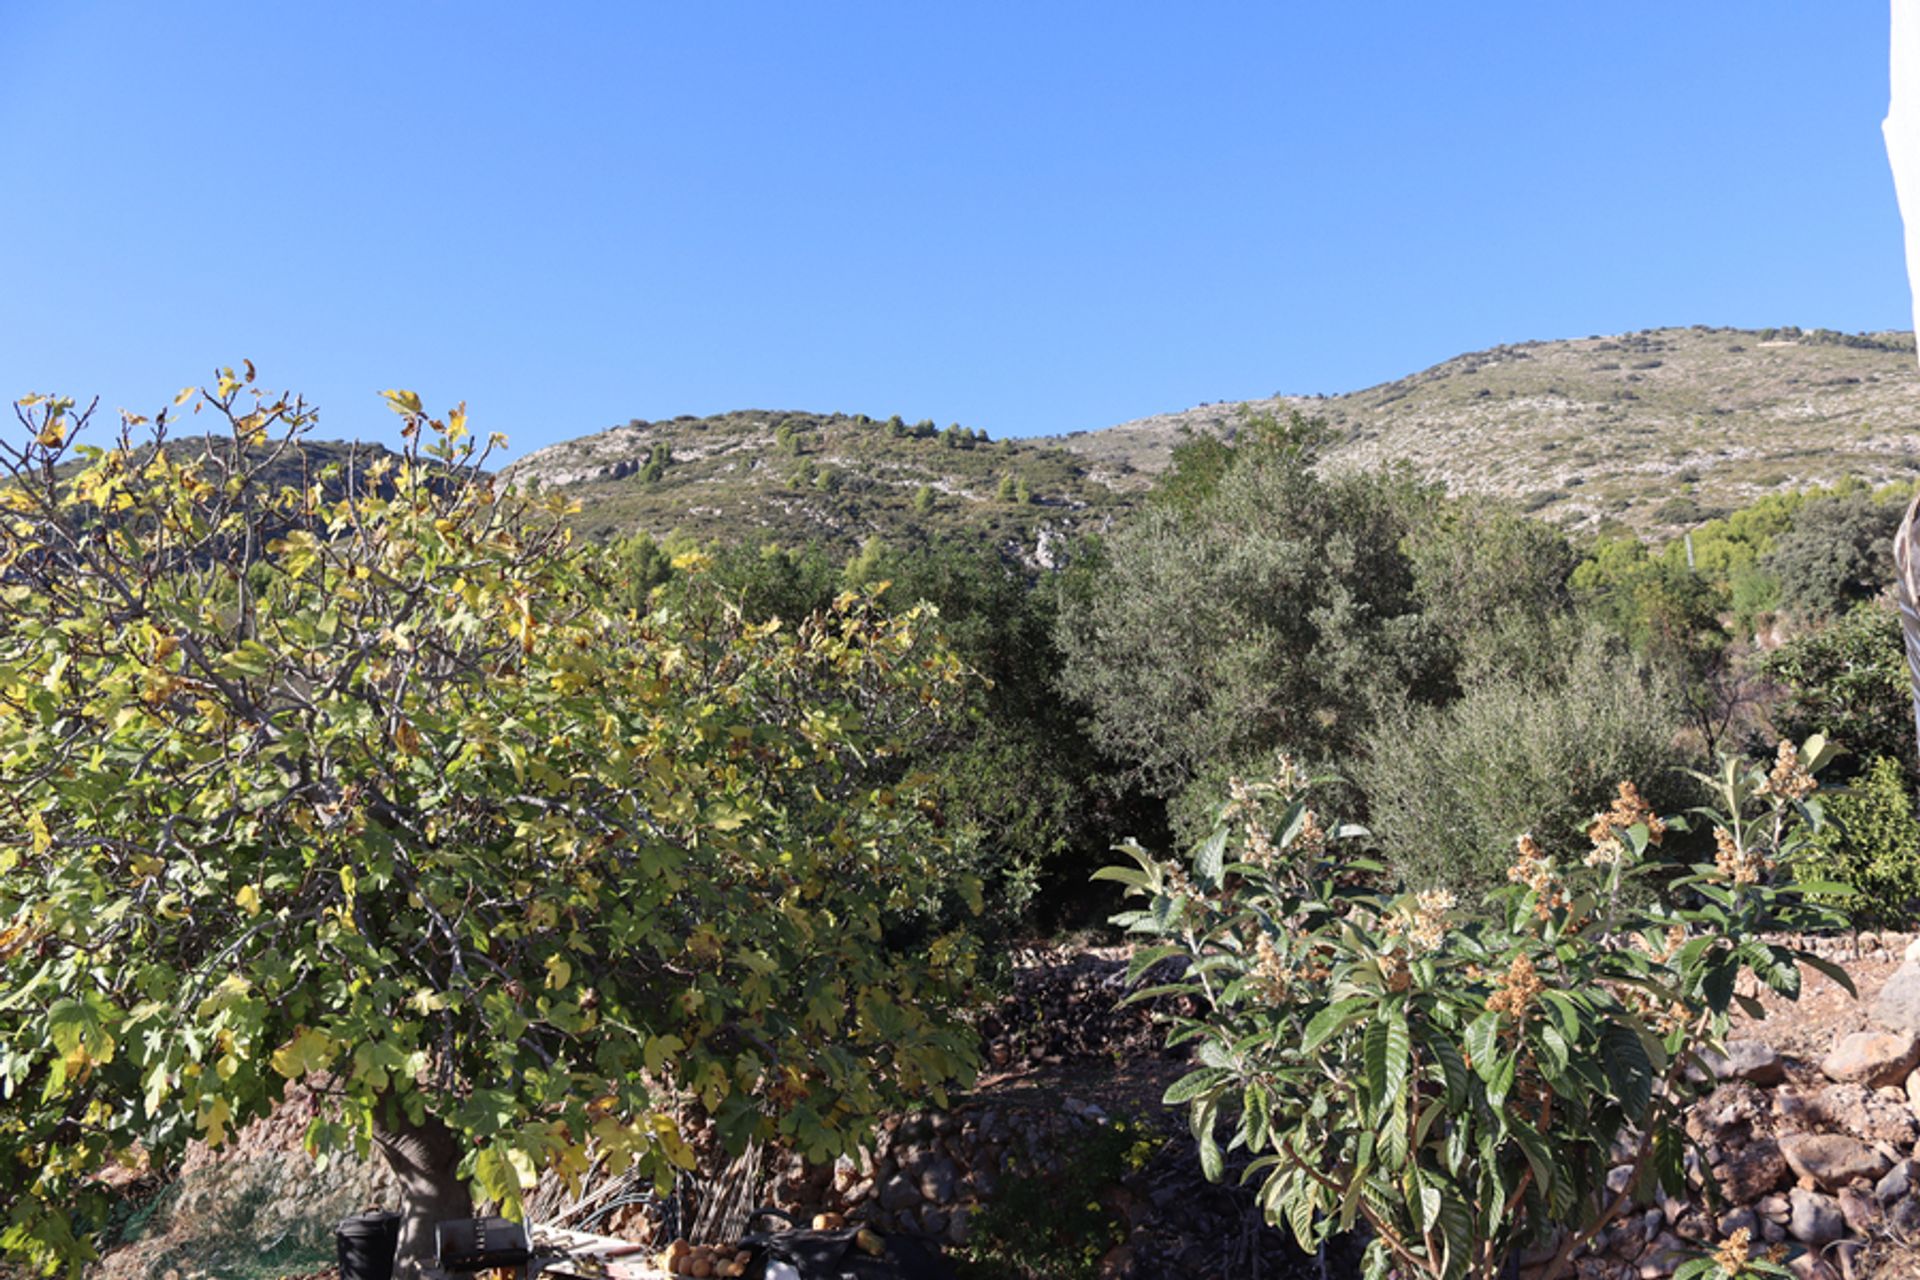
[(1029, 218)]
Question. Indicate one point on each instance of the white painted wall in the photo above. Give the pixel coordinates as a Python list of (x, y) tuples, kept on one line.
[(1902, 131)]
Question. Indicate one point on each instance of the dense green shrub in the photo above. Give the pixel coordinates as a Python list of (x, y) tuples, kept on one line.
[(1023, 794), (1449, 787), (1676, 617), (1463, 1076), (1838, 553), (1849, 681), (1873, 847), (1491, 584), (1026, 794), (1278, 610)]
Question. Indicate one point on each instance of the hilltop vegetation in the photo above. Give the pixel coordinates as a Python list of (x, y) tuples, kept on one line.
[(832, 479), (1650, 431)]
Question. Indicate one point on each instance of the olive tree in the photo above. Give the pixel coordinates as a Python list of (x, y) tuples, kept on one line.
[(1268, 606), (359, 775)]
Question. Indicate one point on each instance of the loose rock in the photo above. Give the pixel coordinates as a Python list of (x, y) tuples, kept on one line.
[(1831, 1160), (1898, 1007), (1873, 1057), (1815, 1219), (1751, 1060), (1746, 1174)]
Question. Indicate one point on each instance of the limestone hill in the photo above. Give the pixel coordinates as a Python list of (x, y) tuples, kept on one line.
[(1653, 430)]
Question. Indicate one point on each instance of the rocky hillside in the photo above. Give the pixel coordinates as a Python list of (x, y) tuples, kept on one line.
[(828, 478), (1651, 430)]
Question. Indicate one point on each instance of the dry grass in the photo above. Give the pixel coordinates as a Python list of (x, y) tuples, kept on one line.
[(1892, 1259)]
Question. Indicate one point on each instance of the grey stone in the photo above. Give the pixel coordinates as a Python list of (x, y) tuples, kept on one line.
[(1896, 1185), (1860, 1209), (1898, 1006), (1661, 1257), (985, 1179), (1751, 1060), (936, 1180), (898, 1192), (1830, 1159), (1816, 1219), (1695, 1226), (1741, 1219), (1873, 1057), (1871, 1115), (1749, 1173)]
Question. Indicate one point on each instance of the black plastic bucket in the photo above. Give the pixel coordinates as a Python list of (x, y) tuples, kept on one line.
[(367, 1242)]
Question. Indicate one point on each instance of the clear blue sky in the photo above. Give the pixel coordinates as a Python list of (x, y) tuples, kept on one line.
[(1024, 217)]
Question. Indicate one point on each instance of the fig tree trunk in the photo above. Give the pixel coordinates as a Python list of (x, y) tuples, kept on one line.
[(423, 1157)]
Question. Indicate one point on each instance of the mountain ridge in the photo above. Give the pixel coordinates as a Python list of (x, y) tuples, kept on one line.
[(1649, 431), (1608, 429)]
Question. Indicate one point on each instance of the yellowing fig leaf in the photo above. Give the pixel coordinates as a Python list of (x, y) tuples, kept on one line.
[(661, 1048), (307, 1052), (405, 403), (214, 1113)]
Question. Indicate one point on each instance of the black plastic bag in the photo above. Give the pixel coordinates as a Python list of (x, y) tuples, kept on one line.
[(800, 1254)]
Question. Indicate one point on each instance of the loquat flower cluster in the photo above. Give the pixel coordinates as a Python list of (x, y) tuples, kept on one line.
[(1789, 779)]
